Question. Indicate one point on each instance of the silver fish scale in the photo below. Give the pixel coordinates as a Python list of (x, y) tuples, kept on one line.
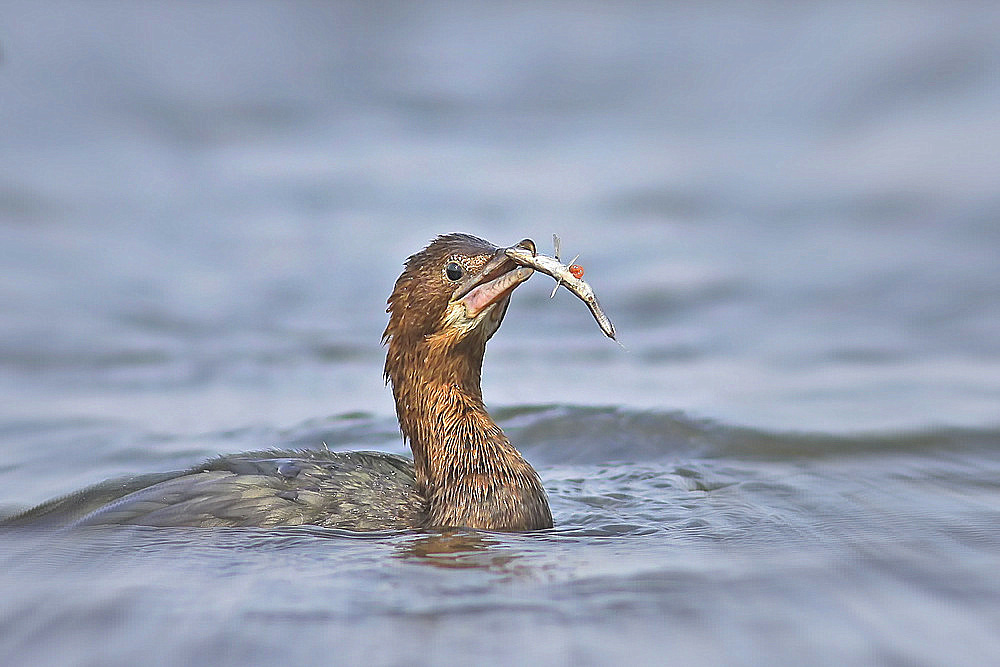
[(553, 267)]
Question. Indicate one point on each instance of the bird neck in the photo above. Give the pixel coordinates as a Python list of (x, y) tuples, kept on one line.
[(465, 466)]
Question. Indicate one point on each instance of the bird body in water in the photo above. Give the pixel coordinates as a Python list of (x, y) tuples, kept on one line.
[(449, 300)]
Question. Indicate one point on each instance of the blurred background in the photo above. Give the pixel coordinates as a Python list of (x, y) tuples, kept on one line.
[(790, 210)]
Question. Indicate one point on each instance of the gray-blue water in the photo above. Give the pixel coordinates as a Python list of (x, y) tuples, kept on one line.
[(790, 210)]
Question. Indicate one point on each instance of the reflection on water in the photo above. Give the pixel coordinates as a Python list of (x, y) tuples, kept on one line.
[(458, 549)]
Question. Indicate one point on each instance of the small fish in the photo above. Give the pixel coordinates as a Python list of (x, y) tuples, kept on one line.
[(564, 275)]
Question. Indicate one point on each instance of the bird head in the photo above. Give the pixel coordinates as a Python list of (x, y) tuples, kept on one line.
[(453, 292)]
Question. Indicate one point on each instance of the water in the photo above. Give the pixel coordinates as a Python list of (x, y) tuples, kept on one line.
[(789, 211)]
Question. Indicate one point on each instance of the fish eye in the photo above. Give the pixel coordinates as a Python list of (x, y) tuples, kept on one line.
[(454, 271)]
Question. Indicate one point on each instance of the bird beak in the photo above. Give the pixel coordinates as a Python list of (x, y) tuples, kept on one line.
[(494, 282)]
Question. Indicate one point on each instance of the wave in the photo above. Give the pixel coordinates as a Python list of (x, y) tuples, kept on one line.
[(558, 433)]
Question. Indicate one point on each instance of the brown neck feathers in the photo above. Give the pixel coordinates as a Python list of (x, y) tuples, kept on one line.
[(465, 466)]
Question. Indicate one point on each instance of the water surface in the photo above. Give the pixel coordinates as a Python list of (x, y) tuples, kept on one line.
[(790, 212)]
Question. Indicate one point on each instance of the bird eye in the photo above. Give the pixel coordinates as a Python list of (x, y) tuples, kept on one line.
[(453, 271)]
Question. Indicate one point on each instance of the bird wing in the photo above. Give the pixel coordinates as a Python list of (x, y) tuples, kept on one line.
[(350, 490)]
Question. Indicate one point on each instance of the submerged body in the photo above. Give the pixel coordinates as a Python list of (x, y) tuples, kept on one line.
[(361, 491), (449, 300)]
